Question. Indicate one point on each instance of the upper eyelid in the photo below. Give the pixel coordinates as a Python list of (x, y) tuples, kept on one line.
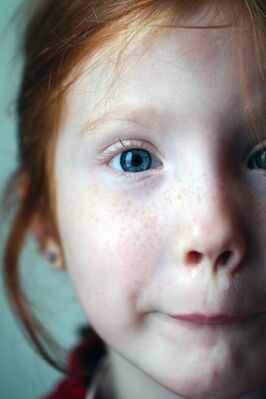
[(128, 143), (259, 146)]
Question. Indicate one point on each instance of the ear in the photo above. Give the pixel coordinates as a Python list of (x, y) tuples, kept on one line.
[(48, 245)]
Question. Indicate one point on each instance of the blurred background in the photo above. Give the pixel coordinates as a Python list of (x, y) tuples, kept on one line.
[(23, 374)]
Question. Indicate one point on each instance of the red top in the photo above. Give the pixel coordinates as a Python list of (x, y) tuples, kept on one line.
[(86, 354)]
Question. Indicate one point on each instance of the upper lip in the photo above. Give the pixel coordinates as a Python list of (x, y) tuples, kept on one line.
[(214, 318)]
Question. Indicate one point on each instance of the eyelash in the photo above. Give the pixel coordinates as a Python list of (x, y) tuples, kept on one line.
[(133, 144)]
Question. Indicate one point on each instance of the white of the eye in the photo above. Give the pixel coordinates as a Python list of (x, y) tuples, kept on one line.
[(115, 162)]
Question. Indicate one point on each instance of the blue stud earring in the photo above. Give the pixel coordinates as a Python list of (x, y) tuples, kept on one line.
[(51, 256)]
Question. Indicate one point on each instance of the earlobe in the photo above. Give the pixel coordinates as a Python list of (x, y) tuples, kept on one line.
[(41, 230), (48, 246)]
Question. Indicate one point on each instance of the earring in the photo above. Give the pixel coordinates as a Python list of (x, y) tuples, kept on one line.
[(51, 256)]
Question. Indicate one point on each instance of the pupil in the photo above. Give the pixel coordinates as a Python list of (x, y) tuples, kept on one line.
[(136, 160)]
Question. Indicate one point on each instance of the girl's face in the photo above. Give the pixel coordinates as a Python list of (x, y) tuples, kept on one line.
[(177, 225)]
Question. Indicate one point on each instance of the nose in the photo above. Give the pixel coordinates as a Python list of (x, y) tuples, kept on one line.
[(216, 239)]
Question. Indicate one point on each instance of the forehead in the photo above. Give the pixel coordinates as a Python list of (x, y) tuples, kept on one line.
[(173, 62)]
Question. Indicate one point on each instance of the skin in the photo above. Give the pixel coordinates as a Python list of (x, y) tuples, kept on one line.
[(141, 248)]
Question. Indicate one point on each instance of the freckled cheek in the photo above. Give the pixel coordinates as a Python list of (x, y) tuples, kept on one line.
[(122, 248), (110, 256)]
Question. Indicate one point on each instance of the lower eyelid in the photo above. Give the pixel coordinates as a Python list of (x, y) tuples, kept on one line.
[(129, 176)]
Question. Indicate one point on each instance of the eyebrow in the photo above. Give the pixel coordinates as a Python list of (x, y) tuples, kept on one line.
[(145, 116)]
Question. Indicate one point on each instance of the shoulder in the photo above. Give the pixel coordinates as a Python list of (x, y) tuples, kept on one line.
[(85, 356)]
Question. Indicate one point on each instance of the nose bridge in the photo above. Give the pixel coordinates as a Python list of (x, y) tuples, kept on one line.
[(213, 231), (212, 191), (212, 182)]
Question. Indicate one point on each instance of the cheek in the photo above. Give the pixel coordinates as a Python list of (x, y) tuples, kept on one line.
[(110, 249)]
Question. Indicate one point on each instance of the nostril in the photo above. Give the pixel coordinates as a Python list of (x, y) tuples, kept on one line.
[(194, 257), (223, 258)]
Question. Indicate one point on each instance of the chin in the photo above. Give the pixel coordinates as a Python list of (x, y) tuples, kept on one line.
[(216, 388)]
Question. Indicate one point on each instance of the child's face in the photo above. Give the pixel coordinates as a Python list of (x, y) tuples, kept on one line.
[(187, 233)]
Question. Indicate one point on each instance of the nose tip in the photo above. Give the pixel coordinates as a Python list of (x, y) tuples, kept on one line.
[(223, 247)]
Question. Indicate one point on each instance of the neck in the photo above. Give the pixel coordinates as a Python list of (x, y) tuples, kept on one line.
[(123, 380)]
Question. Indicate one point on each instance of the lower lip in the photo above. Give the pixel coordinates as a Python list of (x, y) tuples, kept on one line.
[(218, 319)]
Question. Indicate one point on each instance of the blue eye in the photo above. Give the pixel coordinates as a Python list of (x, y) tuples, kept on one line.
[(258, 160), (135, 160), (137, 157)]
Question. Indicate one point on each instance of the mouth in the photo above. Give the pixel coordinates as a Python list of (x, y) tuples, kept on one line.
[(200, 318)]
